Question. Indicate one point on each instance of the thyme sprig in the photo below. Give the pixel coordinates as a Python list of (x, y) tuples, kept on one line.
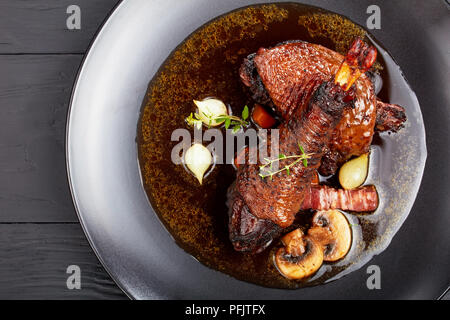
[(195, 119), (267, 170)]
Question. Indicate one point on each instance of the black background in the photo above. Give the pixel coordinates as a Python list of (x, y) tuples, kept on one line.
[(40, 235)]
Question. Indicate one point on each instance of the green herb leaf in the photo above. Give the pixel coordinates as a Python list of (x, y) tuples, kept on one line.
[(193, 121), (221, 118), (245, 113), (267, 169), (227, 123), (211, 119), (301, 149), (305, 163)]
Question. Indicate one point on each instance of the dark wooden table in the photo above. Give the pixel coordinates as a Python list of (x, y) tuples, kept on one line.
[(40, 235)]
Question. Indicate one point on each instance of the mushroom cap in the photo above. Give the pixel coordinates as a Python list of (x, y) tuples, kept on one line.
[(331, 230), (294, 243), (303, 266)]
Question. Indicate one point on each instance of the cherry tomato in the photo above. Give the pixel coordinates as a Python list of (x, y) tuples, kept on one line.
[(262, 118)]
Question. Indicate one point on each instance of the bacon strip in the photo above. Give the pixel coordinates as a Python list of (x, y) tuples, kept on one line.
[(363, 199)]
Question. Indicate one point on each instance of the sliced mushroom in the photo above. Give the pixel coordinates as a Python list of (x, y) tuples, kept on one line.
[(294, 243), (300, 258), (331, 230)]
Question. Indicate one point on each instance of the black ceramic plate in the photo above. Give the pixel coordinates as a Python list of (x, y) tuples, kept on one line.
[(127, 235)]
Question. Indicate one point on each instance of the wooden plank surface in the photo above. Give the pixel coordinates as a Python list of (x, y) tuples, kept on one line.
[(40, 235), (34, 98), (34, 260), (39, 231), (39, 26)]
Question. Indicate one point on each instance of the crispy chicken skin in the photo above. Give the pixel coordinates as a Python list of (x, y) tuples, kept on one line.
[(279, 78), (279, 198), (314, 106)]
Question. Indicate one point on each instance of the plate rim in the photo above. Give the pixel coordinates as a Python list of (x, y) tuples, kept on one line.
[(87, 235)]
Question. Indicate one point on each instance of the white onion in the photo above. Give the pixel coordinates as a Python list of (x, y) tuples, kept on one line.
[(210, 109), (198, 159)]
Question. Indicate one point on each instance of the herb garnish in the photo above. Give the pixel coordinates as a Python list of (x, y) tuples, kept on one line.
[(266, 170), (236, 123)]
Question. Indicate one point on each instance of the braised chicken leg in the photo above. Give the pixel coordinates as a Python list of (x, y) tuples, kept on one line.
[(280, 77), (277, 200)]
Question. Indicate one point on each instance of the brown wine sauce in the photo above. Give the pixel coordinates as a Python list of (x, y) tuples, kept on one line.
[(207, 64)]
